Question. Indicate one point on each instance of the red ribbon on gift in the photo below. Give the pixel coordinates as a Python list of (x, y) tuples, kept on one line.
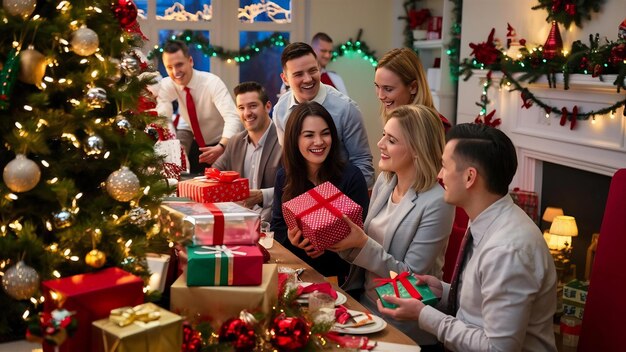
[(221, 176), (402, 277), (218, 223), (322, 203)]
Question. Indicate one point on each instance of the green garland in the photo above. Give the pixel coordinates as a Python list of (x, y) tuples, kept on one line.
[(454, 45), (357, 46), (196, 40), (594, 59), (568, 11)]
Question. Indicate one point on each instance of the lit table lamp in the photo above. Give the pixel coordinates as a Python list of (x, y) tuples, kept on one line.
[(548, 215), (561, 232)]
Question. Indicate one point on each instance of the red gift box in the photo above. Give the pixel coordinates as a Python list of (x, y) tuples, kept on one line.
[(528, 201), (91, 296), (318, 213), (224, 266), (215, 187)]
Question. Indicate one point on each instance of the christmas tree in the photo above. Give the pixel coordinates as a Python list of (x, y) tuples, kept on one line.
[(81, 181)]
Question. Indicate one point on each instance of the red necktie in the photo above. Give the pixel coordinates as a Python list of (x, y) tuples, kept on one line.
[(326, 79), (466, 244), (193, 119)]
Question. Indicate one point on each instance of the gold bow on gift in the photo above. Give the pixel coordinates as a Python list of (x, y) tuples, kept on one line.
[(125, 316)]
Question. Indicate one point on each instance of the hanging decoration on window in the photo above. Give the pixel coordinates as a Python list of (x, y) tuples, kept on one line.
[(199, 42), (568, 11), (272, 10), (529, 64)]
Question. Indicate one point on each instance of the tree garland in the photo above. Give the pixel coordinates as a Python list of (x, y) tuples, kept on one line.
[(454, 45), (594, 59), (196, 40), (568, 11)]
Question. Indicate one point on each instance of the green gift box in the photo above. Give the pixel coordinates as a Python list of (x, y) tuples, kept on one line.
[(405, 286), (224, 265)]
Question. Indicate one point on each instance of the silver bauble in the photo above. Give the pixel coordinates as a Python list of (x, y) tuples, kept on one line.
[(96, 97), (84, 41), (139, 216), (62, 219), (20, 281), (21, 174), (32, 66), (122, 124), (130, 65), (123, 184), (21, 8), (93, 145)]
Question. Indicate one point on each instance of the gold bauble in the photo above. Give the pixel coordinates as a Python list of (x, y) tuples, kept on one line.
[(20, 8), (95, 258), (32, 66), (122, 185), (21, 174), (85, 41)]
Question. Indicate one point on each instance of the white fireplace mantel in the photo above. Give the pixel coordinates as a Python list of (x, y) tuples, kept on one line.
[(598, 147)]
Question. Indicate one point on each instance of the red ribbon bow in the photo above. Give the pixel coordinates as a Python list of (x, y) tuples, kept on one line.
[(221, 176), (403, 278)]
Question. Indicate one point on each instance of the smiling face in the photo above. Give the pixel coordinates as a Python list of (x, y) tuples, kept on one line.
[(324, 52), (253, 114), (395, 152), (178, 67), (302, 75), (390, 89), (314, 141), (452, 176)]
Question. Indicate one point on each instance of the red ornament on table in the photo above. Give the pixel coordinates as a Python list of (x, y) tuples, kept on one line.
[(240, 334), (289, 333), (554, 43)]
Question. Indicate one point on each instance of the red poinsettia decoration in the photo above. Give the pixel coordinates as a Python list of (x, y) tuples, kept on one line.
[(417, 17), (618, 54), (486, 52), (488, 120)]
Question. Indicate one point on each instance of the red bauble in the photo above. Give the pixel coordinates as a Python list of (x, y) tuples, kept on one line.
[(126, 12), (239, 334), (554, 43), (289, 333)]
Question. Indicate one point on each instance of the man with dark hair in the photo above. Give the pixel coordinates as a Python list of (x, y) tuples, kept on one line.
[(301, 72), (503, 291), (208, 118), (322, 44), (255, 153)]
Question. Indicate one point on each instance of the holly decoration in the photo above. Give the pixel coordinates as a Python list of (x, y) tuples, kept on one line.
[(568, 11), (53, 328), (8, 77)]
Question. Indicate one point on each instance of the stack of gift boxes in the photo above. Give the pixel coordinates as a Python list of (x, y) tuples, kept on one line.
[(574, 298)]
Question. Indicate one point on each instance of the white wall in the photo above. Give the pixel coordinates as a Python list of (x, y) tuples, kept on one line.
[(479, 16)]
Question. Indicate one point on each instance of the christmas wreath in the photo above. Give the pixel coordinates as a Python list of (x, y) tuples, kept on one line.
[(568, 11)]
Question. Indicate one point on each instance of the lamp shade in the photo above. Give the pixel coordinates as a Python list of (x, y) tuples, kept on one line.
[(563, 225), (550, 213)]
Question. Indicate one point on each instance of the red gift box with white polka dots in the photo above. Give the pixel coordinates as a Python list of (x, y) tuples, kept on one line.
[(212, 191), (318, 213)]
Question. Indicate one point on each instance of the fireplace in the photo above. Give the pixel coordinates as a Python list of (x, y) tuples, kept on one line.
[(567, 168)]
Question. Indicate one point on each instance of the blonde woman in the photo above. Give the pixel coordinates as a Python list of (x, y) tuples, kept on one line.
[(408, 222)]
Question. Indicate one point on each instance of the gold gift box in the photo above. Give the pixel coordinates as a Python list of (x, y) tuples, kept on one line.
[(164, 334), (220, 303)]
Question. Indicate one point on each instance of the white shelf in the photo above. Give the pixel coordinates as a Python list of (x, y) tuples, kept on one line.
[(428, 44)]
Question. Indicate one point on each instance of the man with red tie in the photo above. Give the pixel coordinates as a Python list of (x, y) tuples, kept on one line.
[(322, 44), (208, 116)]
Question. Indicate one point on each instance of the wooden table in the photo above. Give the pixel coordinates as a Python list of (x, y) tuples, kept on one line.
[(283, 257)]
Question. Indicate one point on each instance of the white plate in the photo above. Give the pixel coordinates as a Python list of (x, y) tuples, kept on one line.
[(378, 325), (341, 299)]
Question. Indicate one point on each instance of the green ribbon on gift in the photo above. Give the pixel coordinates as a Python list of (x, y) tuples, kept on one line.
[(221, 272)]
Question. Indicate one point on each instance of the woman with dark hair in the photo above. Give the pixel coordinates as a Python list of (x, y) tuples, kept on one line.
[(312, 156)]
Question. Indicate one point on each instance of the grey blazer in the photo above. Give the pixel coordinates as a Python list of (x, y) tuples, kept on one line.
[(415, 240), (271, 159)]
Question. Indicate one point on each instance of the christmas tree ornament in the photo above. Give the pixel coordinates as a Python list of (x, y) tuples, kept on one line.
[(122, 124), (84, 41), (122, 185), (126, 12), (7, 78), (20, 281), (96, 97), (139, 216), (554, 44), (95, 258), (114, 71), (240, 334), (289, 333), (621, 30), (32, 66), (62, 219), (21, 174), (19, 8), (93, 145), (130, 65)]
